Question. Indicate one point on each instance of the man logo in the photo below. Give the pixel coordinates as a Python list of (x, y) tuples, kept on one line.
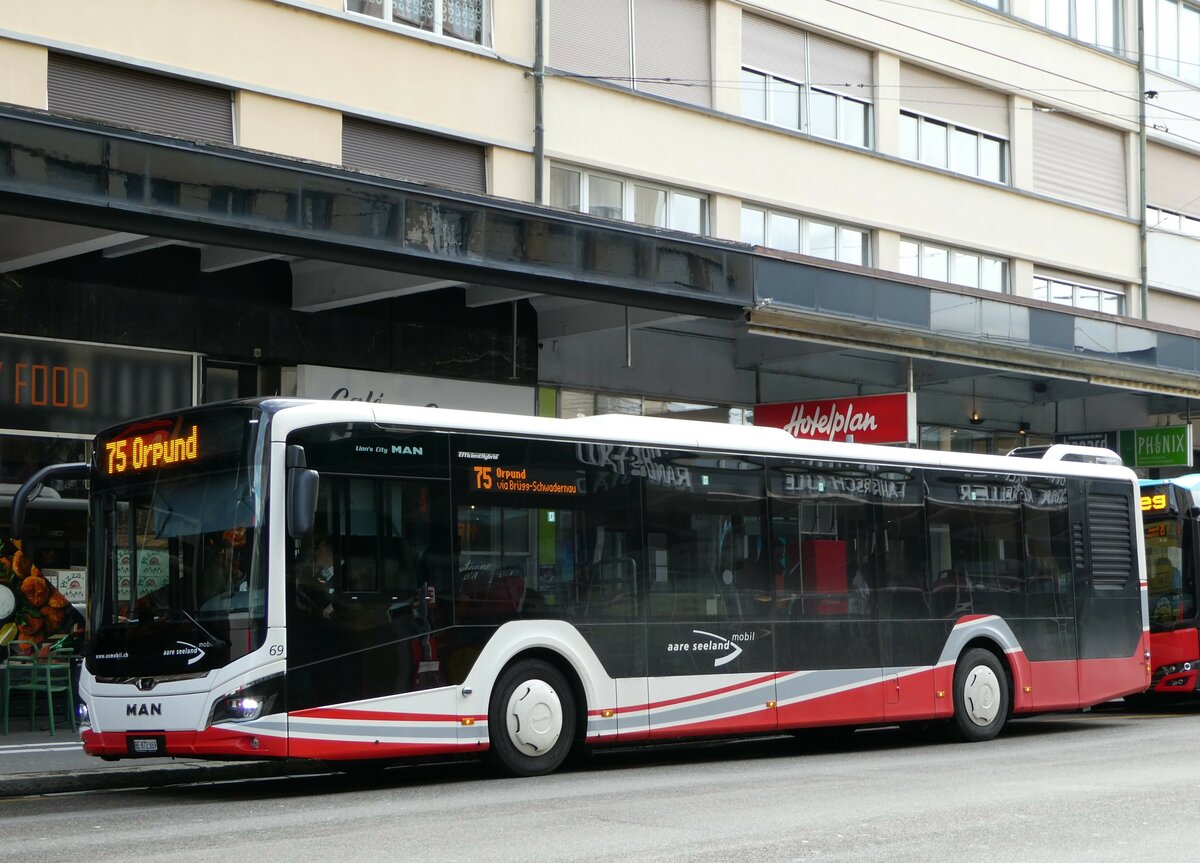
[(143, 709), (407, 450)]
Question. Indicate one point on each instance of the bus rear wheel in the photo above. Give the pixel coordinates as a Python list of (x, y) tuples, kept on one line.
[(981, 697), (531, 719)]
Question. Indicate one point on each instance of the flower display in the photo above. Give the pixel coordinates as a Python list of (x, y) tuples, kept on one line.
[(42, 613)]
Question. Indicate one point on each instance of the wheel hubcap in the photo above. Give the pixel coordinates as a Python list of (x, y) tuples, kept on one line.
[(981, 695), (534, 717)]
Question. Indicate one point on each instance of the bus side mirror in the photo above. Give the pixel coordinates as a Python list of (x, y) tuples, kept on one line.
[(302, 487), (32, 487)]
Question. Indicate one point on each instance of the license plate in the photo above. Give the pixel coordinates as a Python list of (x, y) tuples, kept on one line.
[(147, 745)]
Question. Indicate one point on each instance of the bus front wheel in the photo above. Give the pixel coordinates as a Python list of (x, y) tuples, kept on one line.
[(531, 720), (981, 698)]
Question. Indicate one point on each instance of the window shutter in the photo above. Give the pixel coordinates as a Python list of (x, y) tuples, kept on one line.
[(934, 95), (1079, 161), (671, 40), (840, 68), (591, 37), (773, 48), (1172, 179), (139, 100), (414, 156)]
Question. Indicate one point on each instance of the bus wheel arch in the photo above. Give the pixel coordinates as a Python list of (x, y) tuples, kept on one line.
[(983, 685), (536, 714)]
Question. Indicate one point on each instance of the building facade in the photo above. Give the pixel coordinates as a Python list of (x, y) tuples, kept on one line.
[(636, 205)]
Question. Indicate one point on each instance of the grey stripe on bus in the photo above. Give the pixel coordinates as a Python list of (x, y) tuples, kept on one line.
[(809, 684), (385, 733)]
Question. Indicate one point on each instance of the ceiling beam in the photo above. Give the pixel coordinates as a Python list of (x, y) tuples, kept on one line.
[(28, 243), (134, 247), (321, 285), (486, 295), (213, 259)]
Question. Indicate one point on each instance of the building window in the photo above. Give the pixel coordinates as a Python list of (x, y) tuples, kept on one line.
[(1091, 21), (615, 197), (805, 108), (1079, 296), (943, 145), (1158, 219), (956, 266), (790, 232), (460, 19), (1173, 38)]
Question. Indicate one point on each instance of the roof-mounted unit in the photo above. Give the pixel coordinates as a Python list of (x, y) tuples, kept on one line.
[(1068, 452)]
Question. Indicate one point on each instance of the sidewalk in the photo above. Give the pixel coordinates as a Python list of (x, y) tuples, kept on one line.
[(34, 762)]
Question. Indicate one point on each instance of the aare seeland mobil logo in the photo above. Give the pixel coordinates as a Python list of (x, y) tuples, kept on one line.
[(724, 650), (195, 652)]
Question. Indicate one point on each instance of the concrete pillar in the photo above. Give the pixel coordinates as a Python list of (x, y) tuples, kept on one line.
[(23, 74)]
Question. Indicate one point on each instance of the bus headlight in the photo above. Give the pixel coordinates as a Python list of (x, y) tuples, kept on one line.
[(81, 713), (248, 702)]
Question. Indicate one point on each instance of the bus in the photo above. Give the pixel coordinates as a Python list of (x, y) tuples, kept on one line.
[(347, 581), (1171, 518)]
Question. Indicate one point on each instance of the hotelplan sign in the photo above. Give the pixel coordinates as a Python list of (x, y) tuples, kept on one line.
[(888, 418)]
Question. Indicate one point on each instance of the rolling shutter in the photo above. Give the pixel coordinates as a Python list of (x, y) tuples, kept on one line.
[(934, 95), (1079, 161), (411, 155), (591, 37), (1172, 179), (140, 100), (671, 40), (774, 48), (840, 68)]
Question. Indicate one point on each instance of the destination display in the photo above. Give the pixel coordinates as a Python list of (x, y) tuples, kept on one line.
[(518, 480), (1156, 502), (146, 451)]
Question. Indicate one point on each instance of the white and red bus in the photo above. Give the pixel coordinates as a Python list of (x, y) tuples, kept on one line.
[(1171, 516), (348, 581)]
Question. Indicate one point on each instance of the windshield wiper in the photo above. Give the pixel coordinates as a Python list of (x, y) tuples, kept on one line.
[(200, 627)]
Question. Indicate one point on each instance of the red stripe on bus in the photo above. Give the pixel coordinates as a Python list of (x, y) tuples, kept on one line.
[(698, 696), (371, 715)]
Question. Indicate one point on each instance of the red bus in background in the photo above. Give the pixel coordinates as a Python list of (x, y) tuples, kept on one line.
[(1171, 518)]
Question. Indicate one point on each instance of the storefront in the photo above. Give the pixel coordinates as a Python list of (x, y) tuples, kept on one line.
[(54, 395)]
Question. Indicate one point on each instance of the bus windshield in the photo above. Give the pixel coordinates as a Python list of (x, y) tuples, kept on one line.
[(1172, 595), (180, 571)]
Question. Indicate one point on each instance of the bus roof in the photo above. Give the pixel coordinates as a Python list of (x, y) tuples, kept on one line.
[(289, 414)]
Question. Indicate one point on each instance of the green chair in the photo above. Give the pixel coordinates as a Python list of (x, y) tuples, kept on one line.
[(38, 669)]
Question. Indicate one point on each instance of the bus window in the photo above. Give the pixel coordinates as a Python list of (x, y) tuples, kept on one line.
[(823, 528), (976, 553), (704, 540)]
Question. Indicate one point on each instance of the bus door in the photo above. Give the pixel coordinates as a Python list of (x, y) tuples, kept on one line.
[(368, 595), (910, 638), (710, 646), (1108, 605), (824, 553)]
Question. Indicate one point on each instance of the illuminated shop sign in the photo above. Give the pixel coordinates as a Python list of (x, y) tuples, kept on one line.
[(66, 387)]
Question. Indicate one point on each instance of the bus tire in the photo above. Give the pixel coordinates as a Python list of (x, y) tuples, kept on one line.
[(981, 697), (531, 719)]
